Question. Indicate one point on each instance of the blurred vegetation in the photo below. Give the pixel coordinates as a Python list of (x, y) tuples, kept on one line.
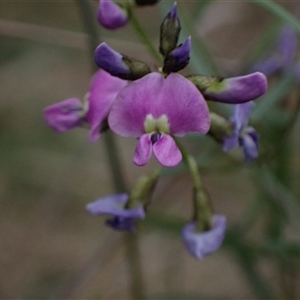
[(52, 249)]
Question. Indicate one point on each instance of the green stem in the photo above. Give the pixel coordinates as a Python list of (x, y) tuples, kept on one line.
[(135, 267), (143, 36), (115, 165), (114, 160), (203, 212)]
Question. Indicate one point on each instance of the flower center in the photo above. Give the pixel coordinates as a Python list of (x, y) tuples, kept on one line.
[(156, 125), (155, 137)]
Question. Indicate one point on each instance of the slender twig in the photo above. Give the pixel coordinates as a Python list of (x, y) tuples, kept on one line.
[(114, 160), (131, 241)]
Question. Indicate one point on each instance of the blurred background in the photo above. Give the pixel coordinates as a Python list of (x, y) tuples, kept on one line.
[(50, 247)]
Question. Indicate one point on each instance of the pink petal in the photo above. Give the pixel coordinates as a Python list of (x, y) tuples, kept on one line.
[(184, 105), (143, 150), (175, 97), (133, 103), (64, 115), (102, 93), (167, 152)]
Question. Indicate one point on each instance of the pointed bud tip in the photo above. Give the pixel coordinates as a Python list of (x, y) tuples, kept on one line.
[(173, 11)]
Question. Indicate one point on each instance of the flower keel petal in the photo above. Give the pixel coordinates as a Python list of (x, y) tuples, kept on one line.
[(143, 150), (167, 152)]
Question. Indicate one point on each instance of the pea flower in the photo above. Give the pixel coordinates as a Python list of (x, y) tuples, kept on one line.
[(110, 15), (283, 55), (201, 244), (71, 113), (114, 205), (232, 90), (243, 135), (153, 109)]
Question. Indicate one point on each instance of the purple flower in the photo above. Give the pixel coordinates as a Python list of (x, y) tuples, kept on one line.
[(64, 115), (201, 244), (71, 113), (178, 58), (237, 89), (154, 109), (114, 205), (110, 15), (119, 65), (284, 54), (243, 135)]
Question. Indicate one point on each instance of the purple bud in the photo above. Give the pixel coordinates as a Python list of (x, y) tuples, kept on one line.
[(64, 115), (119, 65), (237, 89), (201, 244), (178, 58), (110, 61), (110, 15), (169, 31), (114, 205)]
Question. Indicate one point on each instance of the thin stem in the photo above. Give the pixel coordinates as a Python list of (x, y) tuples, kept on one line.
[(114, 161), (135, 267), (203, 212), (143, 36)]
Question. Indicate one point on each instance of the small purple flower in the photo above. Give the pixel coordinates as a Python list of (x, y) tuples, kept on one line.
[(71, 113), (154, 109), (284, 54), (110, 15), (237, 89), (178, 58), (114, 205), (243, 135), (64, 115), (119, 65), (201, 244)]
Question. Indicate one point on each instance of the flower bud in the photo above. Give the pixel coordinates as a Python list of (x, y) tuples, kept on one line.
[(143, 189), (119, 65), (114, 205), (169, 31), (64, 115), (178, 58), (231, 90), (110, 15), (145, 2), (201, 244), (220, 127)]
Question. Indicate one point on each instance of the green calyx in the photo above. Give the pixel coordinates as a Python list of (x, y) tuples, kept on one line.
[(220, 127), (143, 189), (207, 83)]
